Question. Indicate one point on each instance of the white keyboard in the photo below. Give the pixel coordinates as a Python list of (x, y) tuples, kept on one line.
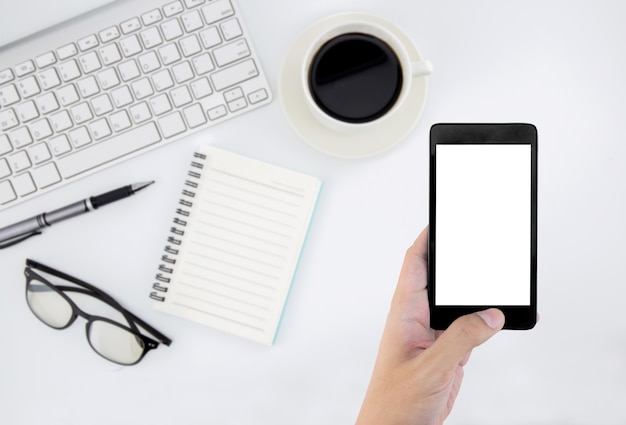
[(121, 91)]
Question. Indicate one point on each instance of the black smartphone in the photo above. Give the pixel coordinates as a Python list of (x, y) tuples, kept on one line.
[(482, 236)]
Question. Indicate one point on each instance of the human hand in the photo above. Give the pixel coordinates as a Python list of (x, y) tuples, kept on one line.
[(418, 371)]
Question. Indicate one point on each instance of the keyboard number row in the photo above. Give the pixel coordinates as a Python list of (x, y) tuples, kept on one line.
[(90, 62)]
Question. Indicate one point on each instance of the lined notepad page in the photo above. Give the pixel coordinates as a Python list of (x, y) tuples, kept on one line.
[(240, 243)]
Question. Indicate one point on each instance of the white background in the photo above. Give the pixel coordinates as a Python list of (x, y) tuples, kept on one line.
[(483, 224), (560, 65)]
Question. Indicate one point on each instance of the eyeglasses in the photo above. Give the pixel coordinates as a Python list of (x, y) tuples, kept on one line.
[(121, 343)]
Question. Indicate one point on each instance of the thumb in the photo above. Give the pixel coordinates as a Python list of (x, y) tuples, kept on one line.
[(464, 334)]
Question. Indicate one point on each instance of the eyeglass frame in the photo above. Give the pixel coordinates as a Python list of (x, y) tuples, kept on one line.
[(134, 322)]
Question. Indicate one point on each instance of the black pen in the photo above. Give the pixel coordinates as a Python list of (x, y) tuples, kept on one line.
[(22, 230)]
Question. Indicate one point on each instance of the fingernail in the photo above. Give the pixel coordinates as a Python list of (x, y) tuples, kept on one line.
[(492, 317)]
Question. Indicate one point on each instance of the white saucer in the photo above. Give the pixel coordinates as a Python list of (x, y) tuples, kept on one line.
[(379, 137)]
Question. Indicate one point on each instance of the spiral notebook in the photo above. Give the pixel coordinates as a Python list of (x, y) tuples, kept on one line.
[(237, 234)]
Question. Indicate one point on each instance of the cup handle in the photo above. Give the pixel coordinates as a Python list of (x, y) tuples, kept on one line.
[(421, 68)]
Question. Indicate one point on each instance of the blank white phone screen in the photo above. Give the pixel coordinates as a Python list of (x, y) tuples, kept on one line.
[(483, 224)]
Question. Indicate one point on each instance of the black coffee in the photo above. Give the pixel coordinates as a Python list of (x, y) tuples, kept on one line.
[(355, 78)]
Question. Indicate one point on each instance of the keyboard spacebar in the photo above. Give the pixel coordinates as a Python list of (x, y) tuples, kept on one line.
[(108, 150)]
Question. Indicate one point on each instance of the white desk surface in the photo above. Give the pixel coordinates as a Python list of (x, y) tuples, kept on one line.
[(560, 65)]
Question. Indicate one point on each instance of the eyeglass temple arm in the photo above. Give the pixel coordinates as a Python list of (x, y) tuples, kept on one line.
[(98, 293)]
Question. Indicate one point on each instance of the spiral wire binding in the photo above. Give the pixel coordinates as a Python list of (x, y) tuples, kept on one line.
[(166, 268)]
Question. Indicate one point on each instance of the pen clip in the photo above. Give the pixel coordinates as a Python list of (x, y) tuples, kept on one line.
[(18, 239)]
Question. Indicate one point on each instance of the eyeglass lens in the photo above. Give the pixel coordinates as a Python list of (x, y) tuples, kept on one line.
[(48, 304), (110, 340), (114, 342)]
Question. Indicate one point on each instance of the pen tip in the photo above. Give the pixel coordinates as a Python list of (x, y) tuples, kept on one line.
[(138, 186)]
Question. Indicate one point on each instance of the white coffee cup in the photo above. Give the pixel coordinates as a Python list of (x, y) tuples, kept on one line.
[(361, 24)]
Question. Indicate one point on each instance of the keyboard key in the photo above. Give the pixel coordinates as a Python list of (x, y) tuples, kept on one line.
[(194, 115), (169, 54), (172, 124), (46, 59), (140, 112), (60, 121), (24, 185), (237, 104), (39, 153), (142, 88), (49, 79), (180, 96), (67, 51), (28, 87), (8, 95), (149, 62), (40, 129), (190, 45), (257, 96), (81, 113), (130, 25), (69, 70), (231, 52), (24, 68), (201, 88), (203, 64), (210, 37), (87, 43), (162, 80), (172, 9), (193, 3), (236, 74), (6, 75), (46, 175), (231, 29), (90, 62), (67, 95), (217, 112), (171, 29), (8, 119), (128, 70), (19, 161), (59, 144), (151, 37), (47, 103), (151, 17), (109, 34), (27, 111), (110, 54), (233, 94), (100, 129), (115, 147), (120, 121), (217, 10), (182, 72), (121, 96), (101, 104), (130, 45), (79, 137), (160, 104), (7, 194), (108, 79), (20, 137), (88, 86), (192, 21)]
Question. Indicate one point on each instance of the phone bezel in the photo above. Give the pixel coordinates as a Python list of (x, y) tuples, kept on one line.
[(517, 317)]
